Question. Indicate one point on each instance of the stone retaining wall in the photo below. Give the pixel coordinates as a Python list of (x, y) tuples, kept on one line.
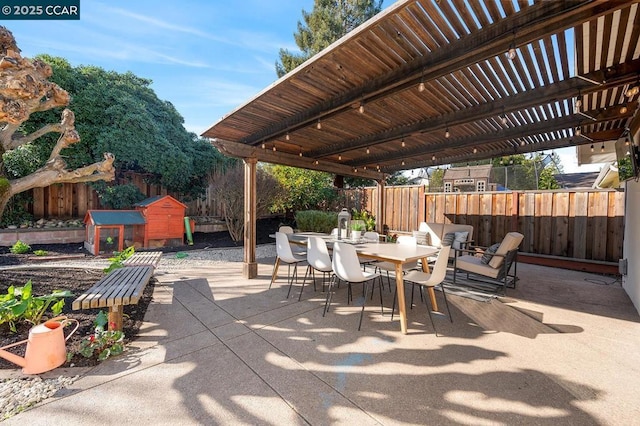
[(8, 237)]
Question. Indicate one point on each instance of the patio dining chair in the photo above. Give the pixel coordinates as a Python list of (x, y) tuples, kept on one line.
[(318, 259), (285, 255), (391, 267), (286, 229), (346, 267), (429, 280)]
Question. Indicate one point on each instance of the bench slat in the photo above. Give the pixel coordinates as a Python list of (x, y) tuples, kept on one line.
[(121, 287), (151, 258)]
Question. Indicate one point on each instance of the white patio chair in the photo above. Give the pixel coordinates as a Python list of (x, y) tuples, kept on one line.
[(285, 255), (346, 267), (391, 267), (286, 229), (318, 259), (423, 279)]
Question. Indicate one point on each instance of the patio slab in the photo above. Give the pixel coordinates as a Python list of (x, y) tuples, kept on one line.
[(563, 347)]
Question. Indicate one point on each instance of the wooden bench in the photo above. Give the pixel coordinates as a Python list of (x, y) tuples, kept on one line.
[(145, 258), (123, 286)]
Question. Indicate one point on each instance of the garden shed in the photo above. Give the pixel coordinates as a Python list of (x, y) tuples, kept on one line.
[(164, 216), (113, 230)]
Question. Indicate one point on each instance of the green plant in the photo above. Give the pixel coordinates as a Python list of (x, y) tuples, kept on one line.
[(357, 226), (103, 343), (20, 248), (19, 303), (363, 215), (117, 261), (316, 221), (40, 252)]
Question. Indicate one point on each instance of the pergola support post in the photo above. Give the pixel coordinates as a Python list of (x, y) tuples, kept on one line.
[(249, 266), (380, 217)]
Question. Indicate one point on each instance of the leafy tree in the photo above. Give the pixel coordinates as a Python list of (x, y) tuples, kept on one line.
[(303, 189), (27, 92), (120, 113), (328, 21)]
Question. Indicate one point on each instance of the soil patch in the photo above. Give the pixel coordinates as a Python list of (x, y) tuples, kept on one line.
[(47, 279)]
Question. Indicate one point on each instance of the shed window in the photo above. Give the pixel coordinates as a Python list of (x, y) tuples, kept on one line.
[(481, 186)]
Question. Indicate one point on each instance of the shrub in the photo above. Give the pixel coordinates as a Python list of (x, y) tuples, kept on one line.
[(20, 248), (316, 221), (40, 252)]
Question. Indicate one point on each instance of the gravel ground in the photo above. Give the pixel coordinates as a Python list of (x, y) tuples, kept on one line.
[(17, 394)]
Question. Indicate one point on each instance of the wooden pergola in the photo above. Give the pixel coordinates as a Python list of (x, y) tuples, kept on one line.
[(430, 82)]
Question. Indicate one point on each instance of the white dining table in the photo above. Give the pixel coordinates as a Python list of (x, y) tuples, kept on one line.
[(398, 254)]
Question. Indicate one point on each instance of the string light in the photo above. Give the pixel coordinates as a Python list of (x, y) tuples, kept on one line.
[(578, 102), (315, 162), (319, 125), (421, 86), (403, 162), (274, 148), (368, 151), (511, 53), (475, 150), (591, 147), (578, 132), (287, 137), (626, 141), (522, 142), (623, 109), (339, 157), (264, 146), (433, 157), (446, 133), (403, 143), (361, 108), (602, 148), (503, 118)]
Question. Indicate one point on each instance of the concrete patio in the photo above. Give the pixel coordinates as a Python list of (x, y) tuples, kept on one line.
[(562, 348)]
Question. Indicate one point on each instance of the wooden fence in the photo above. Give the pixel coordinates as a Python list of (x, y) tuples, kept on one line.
[(580, 224)]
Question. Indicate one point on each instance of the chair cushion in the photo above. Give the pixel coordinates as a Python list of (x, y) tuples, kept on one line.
[(422, 237), (458, 239), (488, 253), (448, 238), (511, 241), (474, 264), (434, 230)]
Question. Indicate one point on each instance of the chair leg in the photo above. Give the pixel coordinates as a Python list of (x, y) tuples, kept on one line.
[(393, 305), (444, 294), (290, 277), (364, 299), (275, 271), (327, 302), (380, 288), (431, 318), (304, 281)]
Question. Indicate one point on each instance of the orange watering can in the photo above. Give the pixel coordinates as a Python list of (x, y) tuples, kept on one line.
[(46, 347)]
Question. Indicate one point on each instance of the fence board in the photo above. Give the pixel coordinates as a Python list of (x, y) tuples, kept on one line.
[(560, 223)]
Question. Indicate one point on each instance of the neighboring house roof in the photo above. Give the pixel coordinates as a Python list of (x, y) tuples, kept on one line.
[(473, 172), (115, 217), (576, 180)]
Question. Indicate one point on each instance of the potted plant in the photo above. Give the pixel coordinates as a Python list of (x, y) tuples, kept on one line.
[(357, 227)]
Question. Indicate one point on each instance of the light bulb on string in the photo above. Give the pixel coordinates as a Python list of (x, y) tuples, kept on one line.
[(447, 134)]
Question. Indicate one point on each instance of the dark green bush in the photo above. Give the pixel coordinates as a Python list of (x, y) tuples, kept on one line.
[(316, 221)]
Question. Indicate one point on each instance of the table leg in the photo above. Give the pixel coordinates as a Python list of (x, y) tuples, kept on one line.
[(432, 293), (402, 308)]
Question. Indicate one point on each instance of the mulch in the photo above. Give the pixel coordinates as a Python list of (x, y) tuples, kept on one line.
[(77, 280)]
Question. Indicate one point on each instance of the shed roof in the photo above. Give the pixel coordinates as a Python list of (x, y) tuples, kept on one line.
[(425, 83), (115, 217), (576, 180), (152, 200)]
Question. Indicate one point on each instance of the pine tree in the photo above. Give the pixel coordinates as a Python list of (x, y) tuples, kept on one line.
[(329, 20)]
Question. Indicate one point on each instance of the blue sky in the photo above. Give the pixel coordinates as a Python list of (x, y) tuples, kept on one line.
[(207, 57)]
